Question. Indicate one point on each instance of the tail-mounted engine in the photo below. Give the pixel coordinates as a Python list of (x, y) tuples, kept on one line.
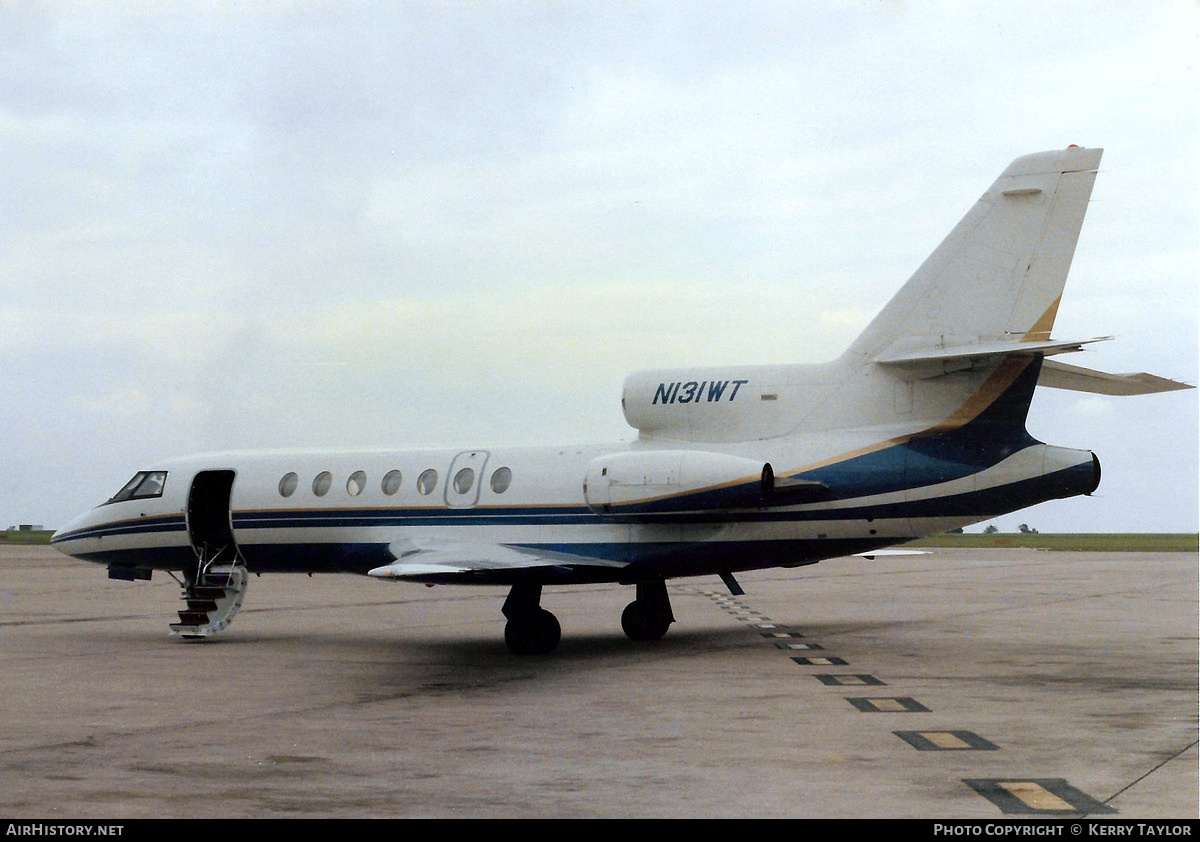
[(671, 481)]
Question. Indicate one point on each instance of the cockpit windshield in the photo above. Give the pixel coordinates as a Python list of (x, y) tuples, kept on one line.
[(143, 485)]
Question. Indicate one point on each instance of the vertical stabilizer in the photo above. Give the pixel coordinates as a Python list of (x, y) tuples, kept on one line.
[(999, 275)]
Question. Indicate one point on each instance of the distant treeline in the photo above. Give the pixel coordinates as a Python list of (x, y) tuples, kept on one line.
[(25, 536), (1133, 542)]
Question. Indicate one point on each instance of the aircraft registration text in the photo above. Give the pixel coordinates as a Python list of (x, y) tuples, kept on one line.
[(710, 391)]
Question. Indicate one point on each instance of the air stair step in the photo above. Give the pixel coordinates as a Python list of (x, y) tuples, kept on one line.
[(204, 605)]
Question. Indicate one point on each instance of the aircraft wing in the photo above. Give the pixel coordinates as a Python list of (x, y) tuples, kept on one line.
[(466, 561), (872, 553)]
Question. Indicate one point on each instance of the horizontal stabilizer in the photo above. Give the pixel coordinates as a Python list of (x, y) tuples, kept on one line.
[(943, 358), (985, 349), (1058, 375)]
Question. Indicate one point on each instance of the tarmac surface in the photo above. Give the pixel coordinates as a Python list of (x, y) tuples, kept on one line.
[(960, 684)]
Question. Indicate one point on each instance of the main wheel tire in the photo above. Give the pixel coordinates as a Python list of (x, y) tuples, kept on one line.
[(534, 633), (639, 623)]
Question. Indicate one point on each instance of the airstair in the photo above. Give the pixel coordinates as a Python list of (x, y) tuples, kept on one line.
[(215, 589), (214, 594)]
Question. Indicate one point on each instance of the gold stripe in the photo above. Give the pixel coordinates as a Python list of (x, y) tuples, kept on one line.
[(995, 386), (1040, 332)]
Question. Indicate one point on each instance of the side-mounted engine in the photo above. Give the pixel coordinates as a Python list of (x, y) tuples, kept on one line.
[(671, 481)]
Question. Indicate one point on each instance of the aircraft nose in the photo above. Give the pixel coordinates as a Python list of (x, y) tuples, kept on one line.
[(67, 538)]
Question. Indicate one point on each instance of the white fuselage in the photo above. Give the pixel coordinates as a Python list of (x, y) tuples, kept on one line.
[(347, 511)]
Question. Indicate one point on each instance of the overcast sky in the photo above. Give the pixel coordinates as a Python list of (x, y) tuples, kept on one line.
[(276, 224)]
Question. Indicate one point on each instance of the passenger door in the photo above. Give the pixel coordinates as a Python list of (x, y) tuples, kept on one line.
[(209, 522)]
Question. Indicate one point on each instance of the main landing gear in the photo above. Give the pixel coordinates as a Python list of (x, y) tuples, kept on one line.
[(649, 616), (532, 630)]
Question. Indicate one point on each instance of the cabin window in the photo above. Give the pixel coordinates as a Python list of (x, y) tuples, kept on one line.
[(144, 484), (427, 481), (322, 483), (501, 479), (287, 485), (356, 483), (391, 483), (463, 480)]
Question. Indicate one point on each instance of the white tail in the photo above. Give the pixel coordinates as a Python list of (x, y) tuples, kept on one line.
[(968, 329), (999, 275)]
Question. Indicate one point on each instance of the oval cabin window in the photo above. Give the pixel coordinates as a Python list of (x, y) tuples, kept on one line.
[(322, 483), (391, 483), (463, 480), (427, 481), (501, 479), (287, 485)]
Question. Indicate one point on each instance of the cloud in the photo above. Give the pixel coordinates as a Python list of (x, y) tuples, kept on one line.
[(1092, 407), (312, 224)]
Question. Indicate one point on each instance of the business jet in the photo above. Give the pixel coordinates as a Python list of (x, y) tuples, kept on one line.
[(919, 427)]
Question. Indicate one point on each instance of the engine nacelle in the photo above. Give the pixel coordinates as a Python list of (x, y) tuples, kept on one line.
[(1077, 471), (646, 482)]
